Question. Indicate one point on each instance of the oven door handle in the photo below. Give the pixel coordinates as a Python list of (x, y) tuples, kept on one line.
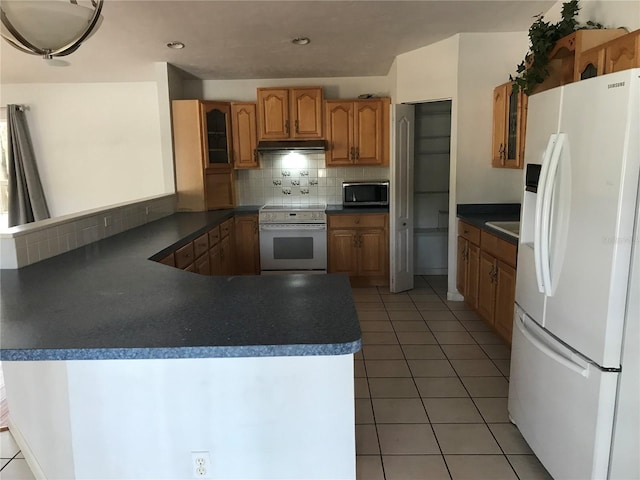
[(291, 227)]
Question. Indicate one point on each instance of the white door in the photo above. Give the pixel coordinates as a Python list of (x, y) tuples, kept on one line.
[(562, 405), (401, 208), (542, 125), (592, 211)]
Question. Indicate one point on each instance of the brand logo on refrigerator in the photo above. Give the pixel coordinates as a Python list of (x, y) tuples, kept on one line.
[(616, 85)]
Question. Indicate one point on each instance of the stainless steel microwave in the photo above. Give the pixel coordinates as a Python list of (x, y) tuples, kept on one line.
[(367, 193)]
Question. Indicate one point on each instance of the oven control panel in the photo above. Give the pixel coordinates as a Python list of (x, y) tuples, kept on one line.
[(292, 216)]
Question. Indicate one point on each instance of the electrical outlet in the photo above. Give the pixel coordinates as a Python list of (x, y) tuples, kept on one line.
[(201, 464)]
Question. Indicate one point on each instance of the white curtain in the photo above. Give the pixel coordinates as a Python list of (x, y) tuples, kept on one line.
[(26, 197)]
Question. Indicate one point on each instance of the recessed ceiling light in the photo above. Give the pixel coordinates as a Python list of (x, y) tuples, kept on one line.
[(176, 45), (301, 41)]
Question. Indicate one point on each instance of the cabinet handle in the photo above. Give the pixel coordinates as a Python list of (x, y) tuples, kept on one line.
[(352, 153), (297, 125), (503, 152), (286, 126), (357, 152), (255, 155)]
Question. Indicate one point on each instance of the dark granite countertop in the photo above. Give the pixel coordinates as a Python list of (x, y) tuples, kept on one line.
[(340, 210), (479, 214), (107, 300)]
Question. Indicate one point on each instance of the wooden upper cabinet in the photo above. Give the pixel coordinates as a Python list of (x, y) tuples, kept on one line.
[(357, 132), (245, 137), (509, 127), (202, 142), (289, 113), (622, 53)]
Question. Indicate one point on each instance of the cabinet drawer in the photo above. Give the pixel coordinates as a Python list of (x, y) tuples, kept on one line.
[(201, 245), (365, 220), (469, 232), (168, 260), (185, 255), (500, 249), (214, 235), (225, 228)]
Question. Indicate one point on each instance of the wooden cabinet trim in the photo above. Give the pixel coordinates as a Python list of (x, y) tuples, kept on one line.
[(468, 231)]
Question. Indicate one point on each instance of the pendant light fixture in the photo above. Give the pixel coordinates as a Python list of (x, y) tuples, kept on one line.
[(49, 28)]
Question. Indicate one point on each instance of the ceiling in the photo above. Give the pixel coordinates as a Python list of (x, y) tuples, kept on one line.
[(252, 39)]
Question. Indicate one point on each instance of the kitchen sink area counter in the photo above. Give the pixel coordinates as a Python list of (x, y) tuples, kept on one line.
[(483, 215)]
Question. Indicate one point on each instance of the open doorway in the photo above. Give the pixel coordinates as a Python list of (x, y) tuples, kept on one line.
[(432, 141)]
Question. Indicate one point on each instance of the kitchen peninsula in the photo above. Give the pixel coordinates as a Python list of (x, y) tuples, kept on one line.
[(120, 367)]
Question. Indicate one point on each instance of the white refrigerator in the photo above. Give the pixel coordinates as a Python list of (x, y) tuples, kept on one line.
[(574, 389)]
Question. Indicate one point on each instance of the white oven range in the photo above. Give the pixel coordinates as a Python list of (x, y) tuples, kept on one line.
[(293, 239)]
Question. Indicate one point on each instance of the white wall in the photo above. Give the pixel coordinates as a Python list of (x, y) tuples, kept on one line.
[(610, 13), (96, 144)]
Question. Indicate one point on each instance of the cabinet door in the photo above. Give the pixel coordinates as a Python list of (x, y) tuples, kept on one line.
[(505, 300), (202, 265), (243, 121), (215, 261), (498, 148), (306, 112), (473, 272), (216, 133), (219, 190), (226, 256), (623, 53), (372, 253), (461, 269), (339, 132), (589, 64), (343, 254), (247, 245), (486, 287), (273, 113), (369, 129)]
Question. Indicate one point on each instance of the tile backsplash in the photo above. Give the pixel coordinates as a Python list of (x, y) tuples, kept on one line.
[(296, 178)]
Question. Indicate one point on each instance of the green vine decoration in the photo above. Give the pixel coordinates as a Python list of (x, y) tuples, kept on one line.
[(543, 36)]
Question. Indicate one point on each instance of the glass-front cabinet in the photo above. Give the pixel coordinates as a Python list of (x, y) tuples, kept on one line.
[(216, 123), (509, 125)]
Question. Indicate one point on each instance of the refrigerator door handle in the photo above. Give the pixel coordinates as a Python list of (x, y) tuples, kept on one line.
[(537, 224), (559, 357), (547, 196)]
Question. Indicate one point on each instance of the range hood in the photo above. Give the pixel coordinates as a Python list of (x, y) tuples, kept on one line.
[(295, 145)]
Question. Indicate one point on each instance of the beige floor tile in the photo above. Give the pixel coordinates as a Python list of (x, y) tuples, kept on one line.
[(431, 306), (405, 315), (410, 326), (366, 440), (416, 338), (457, 306), (17, 469), (373, 315), (528, 467), (379, 338), (396, 298), (445, 326), (423, 352), (387, 368), (458, 338), (358, 368), (361, 387), (431, 368), (364, 411), (504, 366), (383, 352), (423, 289), (467, 315), (486, 386), (393, 388), (369, 306), (497, 352), (391, 307), (464, 352), (425, 298), (369, 290), (493, 410), (376, 326), (369, 467), (475, 325), (407, 439), (479, 467), (475, 368), (487, 338), (441, 387), (465, 438), (509, 438), (415, 467), (8, 446), (451, 410), (438, 315), (399, 410), (366, 298)]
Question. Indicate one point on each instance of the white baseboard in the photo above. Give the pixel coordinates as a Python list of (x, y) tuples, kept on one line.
[(454, 297), (26, 451)]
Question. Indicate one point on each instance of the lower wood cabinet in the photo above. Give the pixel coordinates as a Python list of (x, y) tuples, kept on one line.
[(486, 276), (358, 245), (247, 245)]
